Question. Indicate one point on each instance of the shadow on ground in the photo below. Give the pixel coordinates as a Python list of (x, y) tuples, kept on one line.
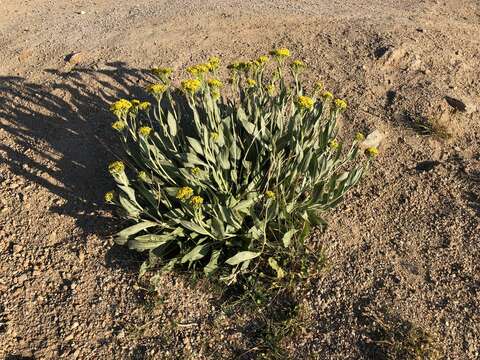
[(58, 135)]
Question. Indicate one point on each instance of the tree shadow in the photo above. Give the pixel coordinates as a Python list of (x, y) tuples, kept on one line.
[(58, 135)]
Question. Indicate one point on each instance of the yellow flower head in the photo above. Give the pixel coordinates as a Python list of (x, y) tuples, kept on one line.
[(121, 106), (119, 125), (297, 64), (135, 102), (196, 201), (214, 136), (359, 136), (195, 171), (305, 102), (214, 62), (184, 193), (145, 130), (214, 83), (109, 196), (156, 89), (191, 85), (333, 144), (116, 167), (327, 95), (143, 176), (192, 70), (144, 105), (270, 194), (340, 104), (204, 68), (263, 59), (251, 82), (162, 71), (372, 151), (271, 89), (195, 70), (318, 86), (280, 53)]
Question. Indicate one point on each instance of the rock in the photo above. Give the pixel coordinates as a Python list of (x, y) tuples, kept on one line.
[(75, 58), (52, 238), (373, 140), (391, 56), (22, 278), (16, 248)]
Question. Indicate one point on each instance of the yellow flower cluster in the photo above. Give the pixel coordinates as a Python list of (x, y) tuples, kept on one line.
[(156, 89), (297, 64), (263, 59), (162, 71), (184, 193), (196, 201), (333, 144), (280, 53), (120, 107), (305, 102), (271, 89), (191, 85), (251, 82), (214, 62), (214, 136), (318, 87), (119, 125), (144, 105), (145, 130), (359, 136), (195, 171), (327, 95), (340, 104), (109, 196), (214, 83), (270, 194), (196, 70), (143, 176), (372, 151), (116, 167)]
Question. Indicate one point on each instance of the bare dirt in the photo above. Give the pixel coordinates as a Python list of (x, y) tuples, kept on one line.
[(405, 243)]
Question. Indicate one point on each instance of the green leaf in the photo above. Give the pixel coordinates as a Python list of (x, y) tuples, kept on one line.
[(172, 124), (218, 229), (195, 145), (287, 237), (241, 257), (196, 253), (245, 205), (212, 265), (129, 207), (122, 236), (151, 241), (194, 227)]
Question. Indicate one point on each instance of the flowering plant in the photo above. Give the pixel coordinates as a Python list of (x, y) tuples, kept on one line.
[(230, 185)]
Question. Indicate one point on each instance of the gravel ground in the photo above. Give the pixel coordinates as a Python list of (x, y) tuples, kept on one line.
[(403, 248)]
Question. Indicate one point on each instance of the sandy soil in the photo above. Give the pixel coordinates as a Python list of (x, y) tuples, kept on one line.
[(407, 240)]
